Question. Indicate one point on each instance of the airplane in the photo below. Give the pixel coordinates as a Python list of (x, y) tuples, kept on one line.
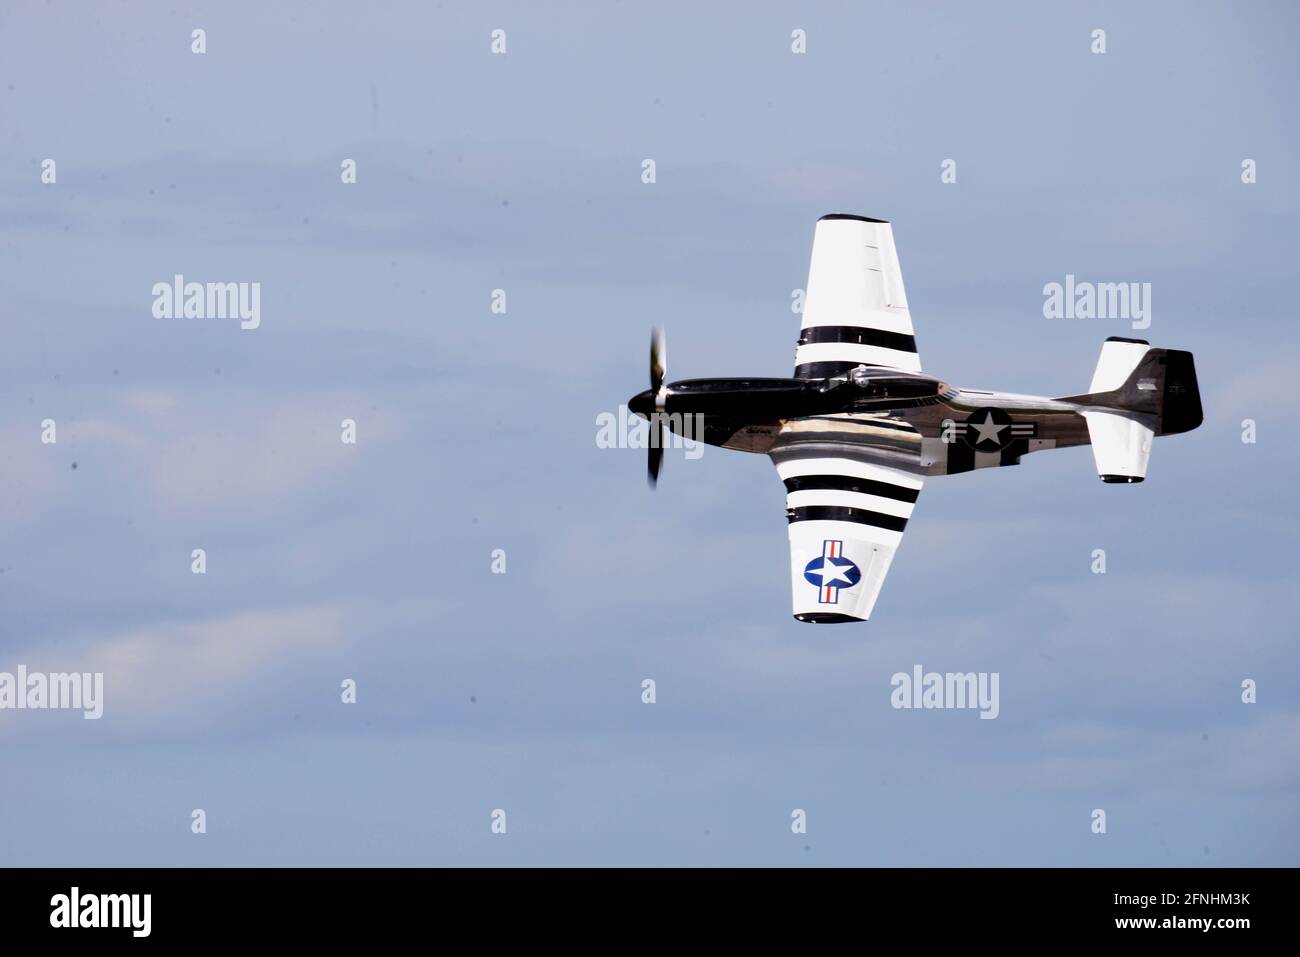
[(858, 429)]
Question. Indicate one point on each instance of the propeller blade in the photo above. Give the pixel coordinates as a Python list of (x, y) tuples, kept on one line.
[(658, 369), (655, 461), (658, 358)]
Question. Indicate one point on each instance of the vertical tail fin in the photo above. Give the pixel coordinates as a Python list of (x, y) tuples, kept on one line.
[(1136, 394)]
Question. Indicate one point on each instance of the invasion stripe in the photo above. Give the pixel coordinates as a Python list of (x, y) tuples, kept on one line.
[(853, 352), (789, 465), (851, 483), (838, 513), (860, 335), (828, 496)]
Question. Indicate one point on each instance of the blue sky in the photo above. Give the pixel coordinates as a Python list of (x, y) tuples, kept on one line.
[(477, 431)]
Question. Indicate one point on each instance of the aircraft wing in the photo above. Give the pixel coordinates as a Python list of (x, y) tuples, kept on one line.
[(855, 309), (847, 506)]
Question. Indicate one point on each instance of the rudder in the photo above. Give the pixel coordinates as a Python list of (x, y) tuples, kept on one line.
[(1137, 393)]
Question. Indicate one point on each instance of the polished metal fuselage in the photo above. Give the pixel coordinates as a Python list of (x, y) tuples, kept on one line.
[(910, 421)]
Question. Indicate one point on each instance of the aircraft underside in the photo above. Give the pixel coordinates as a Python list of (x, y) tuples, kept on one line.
[(966, 432), (858, 428)]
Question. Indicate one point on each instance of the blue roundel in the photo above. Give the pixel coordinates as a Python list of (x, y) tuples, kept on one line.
[(835, 572)]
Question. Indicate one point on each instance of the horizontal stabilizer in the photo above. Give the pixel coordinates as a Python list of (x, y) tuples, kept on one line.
[(1119, 357), (1121, 446)]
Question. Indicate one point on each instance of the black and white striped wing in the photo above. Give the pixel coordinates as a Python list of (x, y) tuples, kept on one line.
[(855, 309), (847, 516)]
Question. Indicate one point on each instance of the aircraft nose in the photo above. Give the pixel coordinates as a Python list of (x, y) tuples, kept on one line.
[(643, 403)]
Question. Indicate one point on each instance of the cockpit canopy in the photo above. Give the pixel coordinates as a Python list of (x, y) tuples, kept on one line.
[(882, 382)]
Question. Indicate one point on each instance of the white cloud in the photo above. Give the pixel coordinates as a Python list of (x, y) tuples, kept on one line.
[(29, 480), (171, 677), (256, 456), (210, 450)]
